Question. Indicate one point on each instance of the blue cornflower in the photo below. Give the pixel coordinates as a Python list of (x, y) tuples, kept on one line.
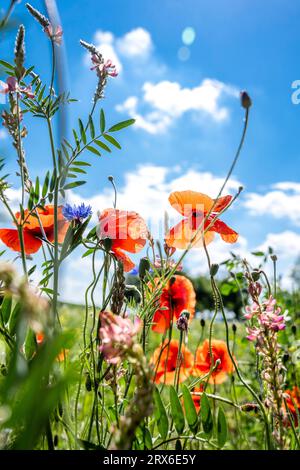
[(76, 213)]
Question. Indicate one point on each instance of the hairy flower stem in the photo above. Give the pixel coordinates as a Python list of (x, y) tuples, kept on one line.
[(7, 14)]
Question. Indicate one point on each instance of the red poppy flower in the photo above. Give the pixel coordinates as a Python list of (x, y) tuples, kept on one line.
[(293, 402), (32, 233), (176, 296), (127, 232), (164, 361), (195, 207), (203, 361)]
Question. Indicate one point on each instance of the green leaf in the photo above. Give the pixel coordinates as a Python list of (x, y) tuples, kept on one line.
[(160, 415), (206, 415), (92, 127), (121, 125), (37, 190), (30, 344), (258, 253), (93, 150), (46, 184), (74, 184), (78, 163), (82, 131), (102, 145), (14, 318), (222, 428), (102, 121), (88, 252), (7, 65), (6, 308), (148, 439), (112, 140), (176, 411), (190, 410)]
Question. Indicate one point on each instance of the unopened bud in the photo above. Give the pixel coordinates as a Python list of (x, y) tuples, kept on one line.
[(234, 327), (144, 267), (255, 275), (107, 244), (202, 322), (214, 269), (183, 320), (245, 100), (294, 329), (274, 258)]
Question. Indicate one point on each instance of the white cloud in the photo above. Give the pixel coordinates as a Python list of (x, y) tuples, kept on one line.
[(282, 201), (136, 43), (169, 100)]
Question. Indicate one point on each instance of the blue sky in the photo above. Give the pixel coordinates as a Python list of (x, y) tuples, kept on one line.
[(189, 118)]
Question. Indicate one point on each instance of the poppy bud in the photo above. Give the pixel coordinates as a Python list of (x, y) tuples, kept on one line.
[(274, 258), (214, 269), (202, 322), (294, 329), (107, 244), (144, 267), (245, 100), (249, 407), (88, 383), (234, 327), (255, 275), (183, 320), (110, 178)]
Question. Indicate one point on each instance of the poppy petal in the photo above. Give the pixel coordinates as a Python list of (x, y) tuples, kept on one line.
[(222, 203), (11, 239), (121, 256), (161, 320), (227, 233), (186, 202), (181, 235)]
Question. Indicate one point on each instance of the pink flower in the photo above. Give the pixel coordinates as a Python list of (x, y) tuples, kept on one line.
[(253, 333), (103, 68), (12, 86), (54, 34), (116, 334), (251, 311)]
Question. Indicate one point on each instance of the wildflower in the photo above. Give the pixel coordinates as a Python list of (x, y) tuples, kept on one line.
[(176, 296), (195, 207), (103, 68), (203, 361), (33, 235), (127, 231), (54, 33), (117, 336), (12, 86), (292, 398), (44, 22), (164, 362), (76, 213)]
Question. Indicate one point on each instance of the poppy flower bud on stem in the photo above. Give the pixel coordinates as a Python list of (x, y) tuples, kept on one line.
[(245, 100), (144, 267), (294, 329), (202, 323), (255, 275), (274, 258), (183, 320), (234, 327), (107, 244), (214, 269)]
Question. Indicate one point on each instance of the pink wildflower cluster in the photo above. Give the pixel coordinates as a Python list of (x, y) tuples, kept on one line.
[(54, 33), (117, 336), (11, 86), (103, 68), (268, 316)]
